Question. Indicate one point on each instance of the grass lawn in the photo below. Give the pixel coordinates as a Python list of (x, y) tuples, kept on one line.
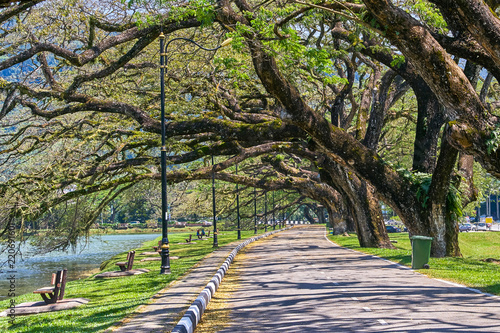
[(112, 299), (471, 270)]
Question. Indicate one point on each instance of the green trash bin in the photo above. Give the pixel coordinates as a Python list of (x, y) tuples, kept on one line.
[(420, 251)]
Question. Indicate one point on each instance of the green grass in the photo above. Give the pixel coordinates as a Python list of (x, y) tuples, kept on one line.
[(112, 299), (471, 270)]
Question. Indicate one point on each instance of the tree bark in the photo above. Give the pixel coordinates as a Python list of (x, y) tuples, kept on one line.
[(430, 119), (443, 225), (360, 198)]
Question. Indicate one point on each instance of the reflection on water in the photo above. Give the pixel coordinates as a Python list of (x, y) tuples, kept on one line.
[(34, 271)]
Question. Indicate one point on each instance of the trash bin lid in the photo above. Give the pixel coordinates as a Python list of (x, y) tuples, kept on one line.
[(421, 238)]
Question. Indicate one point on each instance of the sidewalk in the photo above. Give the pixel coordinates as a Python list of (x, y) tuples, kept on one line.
[(299, 281), (166, 308)]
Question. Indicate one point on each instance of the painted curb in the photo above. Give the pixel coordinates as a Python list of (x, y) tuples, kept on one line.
[(192, 317)]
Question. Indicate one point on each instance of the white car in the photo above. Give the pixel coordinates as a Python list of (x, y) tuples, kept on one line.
[(481, 226)]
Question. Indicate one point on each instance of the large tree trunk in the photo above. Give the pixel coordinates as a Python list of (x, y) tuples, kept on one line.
[(307, 214), (443, 228), (370, 225), (320, 213), (318, 210), (360, 199), (339, 215), (451, 236), (430, 119)]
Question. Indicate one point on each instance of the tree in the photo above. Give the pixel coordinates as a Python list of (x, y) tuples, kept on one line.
[(319, 82)]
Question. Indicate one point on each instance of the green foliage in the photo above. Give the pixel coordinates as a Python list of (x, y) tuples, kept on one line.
[(202, 10), (430, 14), (454, 203), (280, 157), (397, 61), (494, 141), (68, 156), (235, 68), (422, 182)]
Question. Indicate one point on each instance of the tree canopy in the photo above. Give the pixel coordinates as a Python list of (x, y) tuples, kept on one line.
[(345, 102)]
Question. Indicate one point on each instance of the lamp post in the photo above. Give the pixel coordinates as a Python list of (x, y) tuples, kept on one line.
[(165, 247), (265, 211), (214, 210), (165, 216), (274, 208), (238, 206), (255, 209)]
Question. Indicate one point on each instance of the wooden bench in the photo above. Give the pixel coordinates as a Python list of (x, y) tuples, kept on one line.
[(208, 233), (157, 248), (56, 291), (127, 265), (188, 240)]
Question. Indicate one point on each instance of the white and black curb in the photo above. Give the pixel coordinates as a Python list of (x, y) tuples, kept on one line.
[(192, 317)]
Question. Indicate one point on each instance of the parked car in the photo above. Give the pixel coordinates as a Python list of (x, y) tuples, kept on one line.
[(465, 227), (122, 226), (205, 223), (392, 229), (481, 226)]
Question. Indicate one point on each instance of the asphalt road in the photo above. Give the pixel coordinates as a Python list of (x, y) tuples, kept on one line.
[(299, 281)]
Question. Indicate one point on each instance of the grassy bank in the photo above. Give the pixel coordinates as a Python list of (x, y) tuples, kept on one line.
[(473, 270), (112, 299)]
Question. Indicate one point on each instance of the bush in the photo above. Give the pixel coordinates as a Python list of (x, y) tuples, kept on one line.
[(152, 224)]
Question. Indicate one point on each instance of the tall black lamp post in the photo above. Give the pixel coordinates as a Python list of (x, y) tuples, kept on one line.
[(274, 220), (265, 211), (238, 206), (214, 210), (255, 209), (165, 216)]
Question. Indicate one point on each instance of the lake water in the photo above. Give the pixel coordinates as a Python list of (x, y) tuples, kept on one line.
[(34, 271)]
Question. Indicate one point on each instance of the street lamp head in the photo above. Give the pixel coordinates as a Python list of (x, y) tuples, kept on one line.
[(226, 42)]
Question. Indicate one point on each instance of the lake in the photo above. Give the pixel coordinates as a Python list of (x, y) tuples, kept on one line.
[(34, 271)]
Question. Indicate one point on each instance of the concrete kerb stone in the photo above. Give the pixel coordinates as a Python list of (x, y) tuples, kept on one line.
[(200, 304), (192, 317), (185, 325), (206, 297), (210, 288), (193, 313)]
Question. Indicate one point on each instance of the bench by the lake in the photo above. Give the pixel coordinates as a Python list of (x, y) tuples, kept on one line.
[(52, 299), (127, 265), (52, 296), (125, 268), (55, 292), (157, 248), (188, 240)]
